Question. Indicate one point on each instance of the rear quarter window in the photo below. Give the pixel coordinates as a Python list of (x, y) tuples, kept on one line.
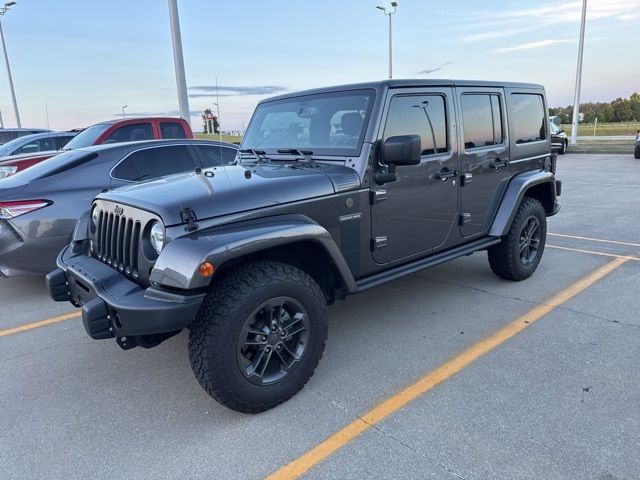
[(528, 123), (172, 130)]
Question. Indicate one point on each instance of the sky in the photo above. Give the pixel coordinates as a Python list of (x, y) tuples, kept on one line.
[(84, 60)]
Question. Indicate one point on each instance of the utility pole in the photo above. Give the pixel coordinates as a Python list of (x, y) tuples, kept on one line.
[(178, 60), (384, 11), (218, 109), (576, 98), (3, 11)]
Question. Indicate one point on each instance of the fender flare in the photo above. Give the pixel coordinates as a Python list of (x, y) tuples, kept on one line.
[(515, 192), (177, 265)]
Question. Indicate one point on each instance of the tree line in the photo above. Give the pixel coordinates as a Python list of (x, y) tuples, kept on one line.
[(619, 110)]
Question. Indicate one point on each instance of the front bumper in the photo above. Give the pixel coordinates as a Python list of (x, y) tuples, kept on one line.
[(112, 305)]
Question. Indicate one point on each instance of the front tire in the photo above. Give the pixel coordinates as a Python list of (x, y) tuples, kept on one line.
[(519, 253), (636, 152), (563, 149), (258, 336)]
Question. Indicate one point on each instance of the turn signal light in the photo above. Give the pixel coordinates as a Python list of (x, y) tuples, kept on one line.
[(206, 269), (14, 209)]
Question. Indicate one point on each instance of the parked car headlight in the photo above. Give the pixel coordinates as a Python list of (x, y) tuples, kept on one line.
[(156, 236), (95, 216), (7, 171)]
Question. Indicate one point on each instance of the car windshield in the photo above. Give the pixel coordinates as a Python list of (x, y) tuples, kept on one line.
[(323, 124), (54, 165), (554, 128), (87, 137), (9, 147)]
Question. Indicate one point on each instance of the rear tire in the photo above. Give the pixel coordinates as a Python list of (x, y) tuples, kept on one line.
[(563, 149), (636, 152), (519, 253), (258, 336)]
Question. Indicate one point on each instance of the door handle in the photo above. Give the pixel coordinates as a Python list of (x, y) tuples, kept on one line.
[(498, 164), (445, 174)]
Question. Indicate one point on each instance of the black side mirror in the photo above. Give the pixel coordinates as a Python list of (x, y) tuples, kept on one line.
[(402, 150)]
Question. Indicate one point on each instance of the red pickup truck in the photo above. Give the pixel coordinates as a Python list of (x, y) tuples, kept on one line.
[(111, 131)]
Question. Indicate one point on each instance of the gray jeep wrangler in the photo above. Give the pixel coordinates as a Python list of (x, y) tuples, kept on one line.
[(334, 191)]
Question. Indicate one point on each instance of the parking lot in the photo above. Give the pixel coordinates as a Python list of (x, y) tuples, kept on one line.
[(536, 379)]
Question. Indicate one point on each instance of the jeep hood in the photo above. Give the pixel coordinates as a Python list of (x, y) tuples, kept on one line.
[(233, 189)]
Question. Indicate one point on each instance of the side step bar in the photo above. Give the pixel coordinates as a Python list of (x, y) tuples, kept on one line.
[(413, 267)]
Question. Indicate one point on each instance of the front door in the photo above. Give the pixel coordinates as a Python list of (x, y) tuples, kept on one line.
[(416, 212), (484, 157)]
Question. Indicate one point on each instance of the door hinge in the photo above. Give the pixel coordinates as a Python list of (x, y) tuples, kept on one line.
[(464, 218), (377, 196), (378, 242), (188, 216)]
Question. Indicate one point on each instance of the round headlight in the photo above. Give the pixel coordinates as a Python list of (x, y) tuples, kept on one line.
[(95, 215), (156, 236)]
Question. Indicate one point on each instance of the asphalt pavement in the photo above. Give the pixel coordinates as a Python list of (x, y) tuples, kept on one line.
[(558, 400)]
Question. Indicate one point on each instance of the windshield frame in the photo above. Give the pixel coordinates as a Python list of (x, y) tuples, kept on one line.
[(316, 150), (88, 132)]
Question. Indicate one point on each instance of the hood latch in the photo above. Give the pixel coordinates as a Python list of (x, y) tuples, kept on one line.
[(188, 216)]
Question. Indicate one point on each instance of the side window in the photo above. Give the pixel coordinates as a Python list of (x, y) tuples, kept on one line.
[(423, 115), (482, 120), (498, 133), (172, 130), (228, 155), (131, 133), (61, 141), (154, 163), (527, 118), (214, 155)]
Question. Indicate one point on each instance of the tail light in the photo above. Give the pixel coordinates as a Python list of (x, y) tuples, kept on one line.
[(15, 209), (7, 171)]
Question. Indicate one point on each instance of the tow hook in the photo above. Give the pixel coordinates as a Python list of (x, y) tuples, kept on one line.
[(144, 341)]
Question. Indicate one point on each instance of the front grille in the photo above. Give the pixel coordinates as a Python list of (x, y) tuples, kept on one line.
[(118, 239), (118, 242)]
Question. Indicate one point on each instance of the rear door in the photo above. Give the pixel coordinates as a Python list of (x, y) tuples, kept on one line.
[(484, 156), (415, 213)]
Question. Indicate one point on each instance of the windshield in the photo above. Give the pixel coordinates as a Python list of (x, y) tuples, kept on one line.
[(9, 147), (554, 128), (54, 165), (87, 137), (326, 123)]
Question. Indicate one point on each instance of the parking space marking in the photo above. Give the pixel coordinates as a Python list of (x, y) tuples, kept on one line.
[(335, 442), (594, 239), (41, 323), (593, 252)]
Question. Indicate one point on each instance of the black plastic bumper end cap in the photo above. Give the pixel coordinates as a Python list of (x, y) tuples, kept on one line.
[(57, 285), (95, 317)]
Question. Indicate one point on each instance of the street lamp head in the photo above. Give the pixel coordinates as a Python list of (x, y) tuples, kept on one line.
[(381, 8), (10, 4), (394, 4)]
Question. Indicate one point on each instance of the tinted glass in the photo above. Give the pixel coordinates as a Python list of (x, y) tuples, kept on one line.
[(328, 123), (422, 115), (54, 165), (498, 134), (477, 120), (131, 133), (172, 130), (155, 162), (553, 128), (62, 140), (87, 137), (527, 118), (7, 136), (42, 145), (214, 155)]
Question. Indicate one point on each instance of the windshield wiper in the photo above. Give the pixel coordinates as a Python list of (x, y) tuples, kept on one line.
[(296, 151), (259, 154)]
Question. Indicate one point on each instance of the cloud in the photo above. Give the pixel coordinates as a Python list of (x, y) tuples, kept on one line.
[(227, 91), (532, 45), (628, 16), (431, 70)]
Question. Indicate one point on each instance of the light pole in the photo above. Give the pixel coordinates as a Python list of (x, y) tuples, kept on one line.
[(125, 106), (217, 104), (178, 60), (384, 11), (3, 11), (576, 98)]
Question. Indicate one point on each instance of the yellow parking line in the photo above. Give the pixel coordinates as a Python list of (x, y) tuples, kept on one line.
[(317, 454), (592, 252), (41, 323), (601, 240)]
